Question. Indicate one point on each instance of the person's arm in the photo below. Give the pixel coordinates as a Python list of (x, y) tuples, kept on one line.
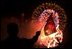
[(34, 39), (30, 42)]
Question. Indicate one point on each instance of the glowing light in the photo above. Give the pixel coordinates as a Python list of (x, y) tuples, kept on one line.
[(51, 40), (49, 15)]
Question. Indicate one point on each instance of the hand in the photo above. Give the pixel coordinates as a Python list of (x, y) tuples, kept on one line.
[(36, 36), (37, 33)]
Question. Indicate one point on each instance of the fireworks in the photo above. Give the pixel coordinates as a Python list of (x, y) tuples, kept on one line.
[(53, 18)]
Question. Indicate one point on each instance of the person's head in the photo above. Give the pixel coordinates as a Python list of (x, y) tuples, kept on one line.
[(12, 29)]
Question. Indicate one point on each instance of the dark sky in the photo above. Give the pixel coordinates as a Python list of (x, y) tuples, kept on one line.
[(27, 6)]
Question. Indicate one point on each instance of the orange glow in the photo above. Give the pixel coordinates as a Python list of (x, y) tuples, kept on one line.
[(54, 34), (50, 28), (53, 18), (51, 40)]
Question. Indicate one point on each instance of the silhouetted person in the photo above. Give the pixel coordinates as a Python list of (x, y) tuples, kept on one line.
[(14, 41)]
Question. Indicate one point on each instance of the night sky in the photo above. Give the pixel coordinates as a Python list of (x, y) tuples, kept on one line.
[(15, 8)]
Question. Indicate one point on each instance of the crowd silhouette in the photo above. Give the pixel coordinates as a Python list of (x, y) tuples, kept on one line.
[(14, 41)]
